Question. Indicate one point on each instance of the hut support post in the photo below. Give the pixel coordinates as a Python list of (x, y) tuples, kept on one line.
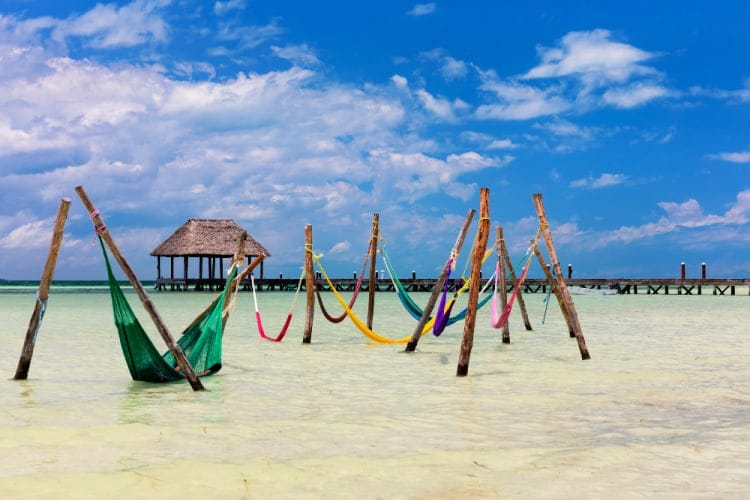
[(483, 230), (309, 286), (564, 293), (24, 362), (373, 265), (519, 295), (412, 345), (501, 250), (177, 351)]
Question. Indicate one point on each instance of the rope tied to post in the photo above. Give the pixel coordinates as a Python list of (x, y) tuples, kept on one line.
[(98, 228), (42, 309)]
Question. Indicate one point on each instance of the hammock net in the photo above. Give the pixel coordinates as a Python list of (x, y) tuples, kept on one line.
[(201, 341)]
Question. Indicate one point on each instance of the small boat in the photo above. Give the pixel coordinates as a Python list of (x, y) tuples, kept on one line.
[(579, 290)]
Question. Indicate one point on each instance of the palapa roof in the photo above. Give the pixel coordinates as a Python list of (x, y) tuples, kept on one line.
[(208, 237)]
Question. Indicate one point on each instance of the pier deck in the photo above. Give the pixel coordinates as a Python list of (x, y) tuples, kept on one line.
[(624, 286)]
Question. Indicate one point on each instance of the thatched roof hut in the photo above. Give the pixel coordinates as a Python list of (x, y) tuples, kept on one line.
[(212, 239), (208, 238)]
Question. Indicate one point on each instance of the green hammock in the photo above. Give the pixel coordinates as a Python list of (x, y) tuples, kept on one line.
[(201, 341)]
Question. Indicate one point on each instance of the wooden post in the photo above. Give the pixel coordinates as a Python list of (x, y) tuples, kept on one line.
[(703, 270), (24, 362), (309, 286), (500, 249), (555, 290), (570, 271), (682, 271), (177, 351), (565, 294), (412, 345), (373, 274), (483, 230), (519, 295)]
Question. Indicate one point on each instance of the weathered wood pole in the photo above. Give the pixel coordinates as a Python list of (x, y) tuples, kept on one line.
[(309, 286), (555, 290), (177, 351), (412, 344), (24, 362), (703, 270), (516, 284), (373, 274), (682, 271), (565, 294), (483, 229), (499, 248)]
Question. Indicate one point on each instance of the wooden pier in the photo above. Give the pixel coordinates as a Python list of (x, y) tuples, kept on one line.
[(624, 286)]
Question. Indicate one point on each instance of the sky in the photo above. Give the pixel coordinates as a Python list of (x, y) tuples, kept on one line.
[(632, 119)]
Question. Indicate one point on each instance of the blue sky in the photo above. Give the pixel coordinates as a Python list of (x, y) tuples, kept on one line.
[(630, 118)]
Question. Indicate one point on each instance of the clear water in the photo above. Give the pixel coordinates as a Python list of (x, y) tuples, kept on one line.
[(662, 408)]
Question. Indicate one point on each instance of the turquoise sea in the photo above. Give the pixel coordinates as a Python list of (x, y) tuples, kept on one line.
[(661, 410)]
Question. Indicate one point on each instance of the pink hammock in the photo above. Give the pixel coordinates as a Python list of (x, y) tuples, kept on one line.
[(287, 322)]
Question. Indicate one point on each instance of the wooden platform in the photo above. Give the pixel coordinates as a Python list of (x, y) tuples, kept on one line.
[(624, 286)]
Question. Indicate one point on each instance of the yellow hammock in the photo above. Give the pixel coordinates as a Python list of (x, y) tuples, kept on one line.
[(372, 334)]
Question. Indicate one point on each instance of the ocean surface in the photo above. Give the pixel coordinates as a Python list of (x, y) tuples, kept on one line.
[(661, 410)]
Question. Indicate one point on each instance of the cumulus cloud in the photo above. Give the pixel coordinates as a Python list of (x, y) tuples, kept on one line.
[(108, 26), (687, 215), (440, 107), (592, 53)]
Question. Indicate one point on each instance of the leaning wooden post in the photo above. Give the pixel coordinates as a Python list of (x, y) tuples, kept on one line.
[(412, 345), (483, 230), (564, 293), (309, 286), (500, 249), (515, 283), (555, 290), (373, 264), (177, 351), (24, 362)]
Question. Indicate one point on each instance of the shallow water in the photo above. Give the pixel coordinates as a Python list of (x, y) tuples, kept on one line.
[(660, 410)]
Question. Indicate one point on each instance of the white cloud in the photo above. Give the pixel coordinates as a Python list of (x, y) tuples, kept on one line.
[(246, 37), (422, 9), (735, 157), (440, 107), (564, 128), (297, 54), (593, 53), (223, 8), (502, 144), (687, 215), (453, 69), (520, 102), (108, 26), (604, 180), (634, 95), (340, 247), (29, 235), (400, 82)]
